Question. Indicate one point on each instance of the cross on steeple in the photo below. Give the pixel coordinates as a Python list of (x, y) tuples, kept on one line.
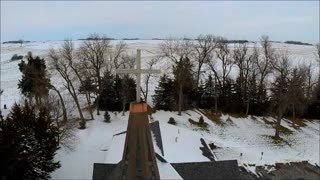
[(138, 71)]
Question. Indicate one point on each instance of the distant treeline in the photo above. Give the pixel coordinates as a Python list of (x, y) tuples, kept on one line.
[(102, 38), (15, 42), (131, 39), (297, 43)]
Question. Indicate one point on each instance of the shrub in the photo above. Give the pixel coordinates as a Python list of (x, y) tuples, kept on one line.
[(106, 117), (192, 121), (82, 124), (201, 120), (172, 121)]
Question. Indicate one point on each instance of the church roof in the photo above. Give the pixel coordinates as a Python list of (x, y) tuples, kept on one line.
[(208, 170), (180, 154)]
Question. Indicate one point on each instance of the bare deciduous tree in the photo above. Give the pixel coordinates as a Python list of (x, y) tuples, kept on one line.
[(147, 77), (244, 62), (204, 48), (281, 66), (66, 128), (250, 75), (62, 66), (128, 60), (174, 49), (223, 55), (264, 63), (117, 54), (180, 53), (95, 51), (62, 104)]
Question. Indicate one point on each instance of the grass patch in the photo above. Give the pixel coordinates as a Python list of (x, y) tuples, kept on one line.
[(202, 126), (237, 115), (268, 122), (278, 141), (285, 130), (297, 123)]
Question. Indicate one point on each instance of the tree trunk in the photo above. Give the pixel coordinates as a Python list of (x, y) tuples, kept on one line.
[(89, 105), (64, 110), (277, 134), (293, 115), (75, 98), (248, 106), (215, 96), (123, 106), (147, 89), (99, 92), (198, 75), (215, 105), (180, 100)]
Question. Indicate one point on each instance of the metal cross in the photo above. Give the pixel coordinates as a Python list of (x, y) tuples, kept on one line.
[(138, 71)]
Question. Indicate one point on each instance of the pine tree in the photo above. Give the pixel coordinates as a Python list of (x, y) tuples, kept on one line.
[(296, 92), (34, 82), (164, 97), (209, 93), (117, 92), (200, 95), (109, 97), (28, 144), (183, 79)]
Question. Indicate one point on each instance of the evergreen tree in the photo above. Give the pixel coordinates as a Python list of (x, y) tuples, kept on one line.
[(109, 97), (164, 97), (35, 82), (296, 92), (209, 94), (200, 95), (128, 92), (117, 92), (238, 101), (313, 110), (87, 86), (28, 144), (253, 95), (183, 79)]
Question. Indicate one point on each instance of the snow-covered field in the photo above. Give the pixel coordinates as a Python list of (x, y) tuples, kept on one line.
[(245, 139), (10, 73)]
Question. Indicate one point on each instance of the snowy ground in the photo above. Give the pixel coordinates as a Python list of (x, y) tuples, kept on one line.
[(249, 136), (245, 139)]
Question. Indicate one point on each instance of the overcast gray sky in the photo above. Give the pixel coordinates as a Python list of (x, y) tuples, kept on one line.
[(57, 20)]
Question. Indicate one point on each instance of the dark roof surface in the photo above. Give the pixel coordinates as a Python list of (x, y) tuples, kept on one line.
[(208, 170), (155, 128), (206, 151), (105, 171)]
